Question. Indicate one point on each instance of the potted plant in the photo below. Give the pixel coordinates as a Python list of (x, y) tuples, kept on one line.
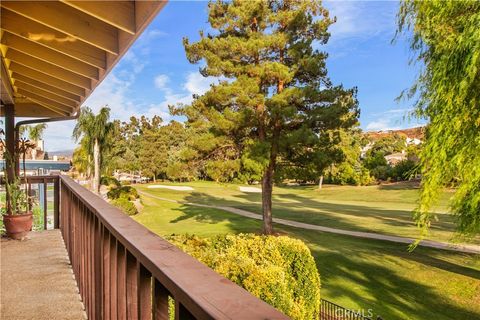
[(18, 218)]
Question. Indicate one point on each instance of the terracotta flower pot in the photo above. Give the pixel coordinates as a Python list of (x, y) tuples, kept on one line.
[(18, 225)]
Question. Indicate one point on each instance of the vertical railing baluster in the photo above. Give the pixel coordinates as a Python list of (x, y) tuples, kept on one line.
[(90, 291), (121, 282), (113, 277), (160, 301), (45, 203), (84, 256), (98, 268), (144, 289), (106, 274), (181, 313), (56, 203), (131, 287), (29, 188)]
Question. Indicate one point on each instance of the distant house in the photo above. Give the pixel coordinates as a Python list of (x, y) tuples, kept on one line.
[(394, 158), (413, 136), (130, 177), (414, 141)]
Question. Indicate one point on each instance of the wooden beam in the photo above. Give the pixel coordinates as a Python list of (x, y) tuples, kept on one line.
[(6, 89), (29, 108), (48, 79), (68, 20), (45, 94), (145, 12), (45, 101), (53, 39), (48, 68), (120, 14), (51, 56), (43, 85)]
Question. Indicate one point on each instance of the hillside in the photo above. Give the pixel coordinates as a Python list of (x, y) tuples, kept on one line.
[(412, 133)]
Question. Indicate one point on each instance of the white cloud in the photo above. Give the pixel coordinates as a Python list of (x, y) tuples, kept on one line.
[(381, 125), (161, 81), (198, 84), (58, 136), (154, 33), (361, 18), (115, 91)]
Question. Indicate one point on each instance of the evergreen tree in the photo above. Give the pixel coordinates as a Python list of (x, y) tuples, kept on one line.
[(276, 91)]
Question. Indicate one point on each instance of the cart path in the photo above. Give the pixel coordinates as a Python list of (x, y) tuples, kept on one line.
[(465, 248)]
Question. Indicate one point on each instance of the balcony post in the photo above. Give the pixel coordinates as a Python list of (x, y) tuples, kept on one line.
[(10, 147), (10, 138)]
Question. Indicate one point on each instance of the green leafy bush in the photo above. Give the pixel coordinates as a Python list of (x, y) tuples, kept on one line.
[(345, 173), (125, 205), (126, 192), (279, 270), (404, 170), (109, 182)]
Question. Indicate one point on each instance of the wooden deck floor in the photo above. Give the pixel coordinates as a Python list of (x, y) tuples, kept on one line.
[(37, 280)]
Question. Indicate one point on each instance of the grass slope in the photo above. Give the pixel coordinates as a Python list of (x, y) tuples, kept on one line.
[(356, 273)]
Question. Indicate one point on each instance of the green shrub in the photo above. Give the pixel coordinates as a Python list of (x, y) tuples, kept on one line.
[(404, 170), (125, 205), (109, 182), (126, 192), (279, 270), (345, 173)]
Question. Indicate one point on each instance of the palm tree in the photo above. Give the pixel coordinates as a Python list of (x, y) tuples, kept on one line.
[(93, 130), (35, 134)]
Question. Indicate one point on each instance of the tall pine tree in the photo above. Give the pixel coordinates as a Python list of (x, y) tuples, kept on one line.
[(275, 93)]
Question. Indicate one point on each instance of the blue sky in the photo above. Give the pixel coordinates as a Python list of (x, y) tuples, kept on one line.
[(155, 72)]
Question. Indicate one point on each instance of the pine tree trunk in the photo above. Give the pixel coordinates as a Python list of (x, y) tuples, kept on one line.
[(267, 183), (320, 182), (267, 188), (96, 173)]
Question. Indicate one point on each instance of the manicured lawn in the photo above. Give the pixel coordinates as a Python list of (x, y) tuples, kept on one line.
[(383, 209), (356, 273)]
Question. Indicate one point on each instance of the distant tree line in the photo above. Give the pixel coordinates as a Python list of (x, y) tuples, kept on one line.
[(187, 151)]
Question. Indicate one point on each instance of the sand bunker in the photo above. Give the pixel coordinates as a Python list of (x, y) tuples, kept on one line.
[(251, 189), (178, 188)]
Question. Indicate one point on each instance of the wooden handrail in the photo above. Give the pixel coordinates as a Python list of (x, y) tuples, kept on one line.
[(124, 270)]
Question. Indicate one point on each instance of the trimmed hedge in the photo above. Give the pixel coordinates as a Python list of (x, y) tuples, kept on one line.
[(126, 192), (279, 270), (109, 181), (125, 205)]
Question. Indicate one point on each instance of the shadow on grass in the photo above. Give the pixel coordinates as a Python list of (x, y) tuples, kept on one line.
[(432, 261), (347, 271), (237, 224), (405, 185), (303, 209), (352, 269), (343, 216)]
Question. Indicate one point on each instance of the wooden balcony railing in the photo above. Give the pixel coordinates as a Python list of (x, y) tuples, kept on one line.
[(124, 271), (46, 182)]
